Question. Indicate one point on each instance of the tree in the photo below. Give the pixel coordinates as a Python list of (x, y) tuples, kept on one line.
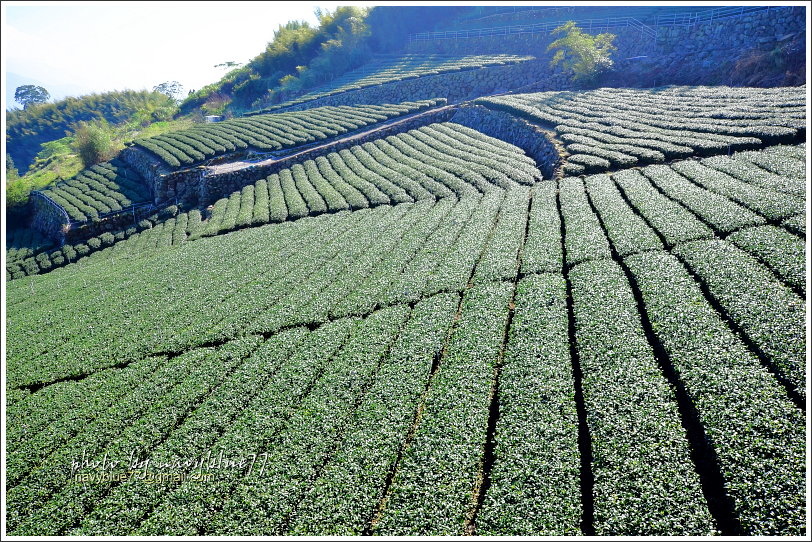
[(11, 169), (173, 89), (31, 94), (93, 142), (583, 55)]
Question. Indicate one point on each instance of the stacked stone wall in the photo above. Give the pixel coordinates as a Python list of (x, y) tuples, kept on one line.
[(537, 143), (733, 33), (48, 218), (213, 186), (149, 166), (94, 228), (629, 41), (704, 53), (455, 86)]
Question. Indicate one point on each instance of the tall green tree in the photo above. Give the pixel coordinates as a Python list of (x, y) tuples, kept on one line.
[(11, 170), (582, 55), (31, 94)]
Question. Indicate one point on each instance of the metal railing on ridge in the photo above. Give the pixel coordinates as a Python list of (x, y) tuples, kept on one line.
[(709, 16), (593, 25), (590, 25)]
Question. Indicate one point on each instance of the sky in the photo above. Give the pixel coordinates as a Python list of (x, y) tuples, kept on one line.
[(78, 47), (75, 48)]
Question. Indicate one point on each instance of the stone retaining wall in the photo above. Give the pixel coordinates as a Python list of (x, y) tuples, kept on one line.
[(629, 41), (94, 228), (48, 218), (735, 33), (537, 143), (187, 186), (455, 86), (727, 52), (201, 187), (702, 54), (149, 166)]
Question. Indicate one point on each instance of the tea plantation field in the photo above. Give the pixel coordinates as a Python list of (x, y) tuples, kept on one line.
[(420, 334), (613, 128)]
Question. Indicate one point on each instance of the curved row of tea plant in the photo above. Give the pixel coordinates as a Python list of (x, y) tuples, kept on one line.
[(306, 275), (48, 259), (618, 128), (100, 190), (426, 340), (737, 273), (271, 132), (735, 185), (435, 161), (389, 70), (715, 368)]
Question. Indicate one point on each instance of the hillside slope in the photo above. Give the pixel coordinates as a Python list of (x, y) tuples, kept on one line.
[(537, 312)]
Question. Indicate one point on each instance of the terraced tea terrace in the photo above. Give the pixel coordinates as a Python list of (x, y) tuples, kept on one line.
[(388, 69), (435, 161), (615, 128), (271, 132), (446, 305), (103, 189), (420, 335)]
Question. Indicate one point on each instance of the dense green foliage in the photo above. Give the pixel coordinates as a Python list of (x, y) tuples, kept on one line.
[(582, 55), (27, 129), (11, 169), (301, 56), (93, 142), (56, 160), (27, 95)]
